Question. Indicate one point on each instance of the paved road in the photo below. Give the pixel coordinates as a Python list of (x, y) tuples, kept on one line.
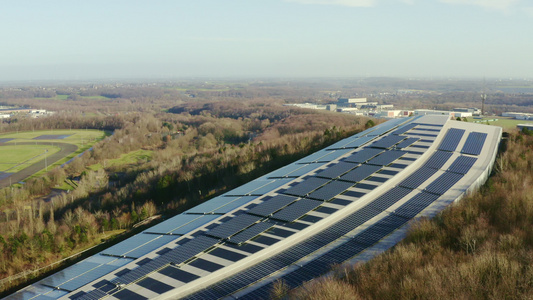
[(65, 150)]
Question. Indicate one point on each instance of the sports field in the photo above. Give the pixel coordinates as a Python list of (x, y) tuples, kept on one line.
[(14, 158), (31, 153)]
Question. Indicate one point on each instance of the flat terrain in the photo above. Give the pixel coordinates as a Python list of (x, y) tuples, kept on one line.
[(504, 122), (24, 154), (14, 158)]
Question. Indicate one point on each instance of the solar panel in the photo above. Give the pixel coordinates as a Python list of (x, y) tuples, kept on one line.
[(81, 280), (432, 120), (305, 169), (296, 210), (363, 155), (250, 232), (284, 171), (407, 142), (272, 205), (332, 155), (438, 159), (360, 173), (462, 164), (390, 197), (233, 226), (474, 143), (249, 188), (337, 170), (386, 157), (443, 183), (234, 204), (305, 187), (271, 186), (388, 141), (418, 177), (139, 245), (187, 228), (384, 127), (178, 220), (210, 206), (451, 139), (404, 128), (330, 190), (315, 157), (359, 142), (416, 204)]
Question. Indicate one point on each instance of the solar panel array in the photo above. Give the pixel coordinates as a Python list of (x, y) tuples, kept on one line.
[(407, 142), (405, 128), (360, 173), (462, 164), (474, 143), (305, 187), (418, 177), (451, 139), (296, 210), (438, 159), (388, 141), (443, 183), (363, 155), (330, 190), (386, 157), (250, 232), (337, 170), (270, 206), (289, 209), (231, 227)]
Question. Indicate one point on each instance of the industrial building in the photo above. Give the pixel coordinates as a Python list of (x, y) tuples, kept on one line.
[(342, 204)]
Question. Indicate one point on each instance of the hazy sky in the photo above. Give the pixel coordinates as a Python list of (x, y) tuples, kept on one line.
[(65, 39)]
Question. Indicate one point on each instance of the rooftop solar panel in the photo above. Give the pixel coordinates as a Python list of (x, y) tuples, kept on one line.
[(271, 186), (284, 171), (315, 157), (250, 232), (386, 157), (233, 226), (407, 142), (337, 170), (360, 173), (187, 228), (390, 197), (474, 143), (272, 205), (405, 128), (462, 164), (363, 155), (234, 204), (305, 169), (305, 187), (296, 210), (249, 188), (330, 190), (451, 139), (438, 159), (139, 245), (359, 142), (418, 177), (443, 183), (416, 204), (384, 127), (388, 141)]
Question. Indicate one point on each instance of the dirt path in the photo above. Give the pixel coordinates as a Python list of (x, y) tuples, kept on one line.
[(65, 150)]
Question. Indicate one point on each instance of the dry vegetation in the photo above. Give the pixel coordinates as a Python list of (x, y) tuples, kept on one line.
[(481, 248), (199, 148)]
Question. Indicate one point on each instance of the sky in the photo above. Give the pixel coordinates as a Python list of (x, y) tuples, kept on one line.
[(74, 40)]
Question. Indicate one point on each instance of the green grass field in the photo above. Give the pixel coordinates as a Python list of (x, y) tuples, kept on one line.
[(506, 123), (15, 158), (125, 159)]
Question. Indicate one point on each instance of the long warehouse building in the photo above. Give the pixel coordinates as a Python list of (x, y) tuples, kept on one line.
[(345, 203)]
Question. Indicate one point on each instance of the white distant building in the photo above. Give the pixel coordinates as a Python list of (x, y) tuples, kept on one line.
[(352, 100), (455, 114)]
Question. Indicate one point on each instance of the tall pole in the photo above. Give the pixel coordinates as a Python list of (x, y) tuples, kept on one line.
[(483, 98)]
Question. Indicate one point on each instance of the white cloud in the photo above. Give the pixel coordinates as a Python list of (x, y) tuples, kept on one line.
[(351, 3), (489, 4)]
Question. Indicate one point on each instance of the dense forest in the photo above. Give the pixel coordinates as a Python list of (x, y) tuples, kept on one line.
[(195, 150), (481, 248)]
